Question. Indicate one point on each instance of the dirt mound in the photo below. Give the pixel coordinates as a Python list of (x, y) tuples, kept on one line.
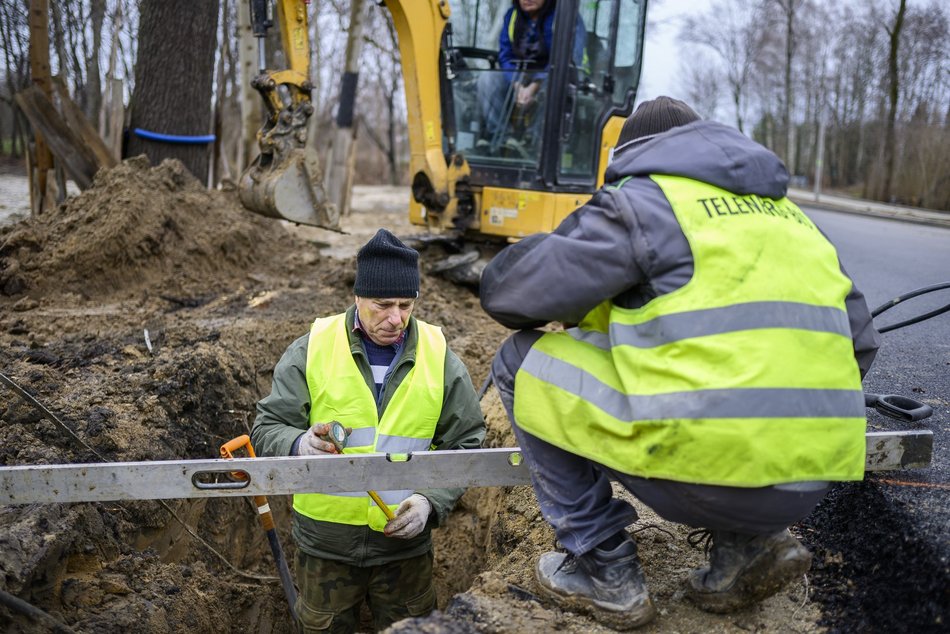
[(137, 226)]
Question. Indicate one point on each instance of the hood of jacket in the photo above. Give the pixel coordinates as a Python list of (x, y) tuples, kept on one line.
[(706, 151)]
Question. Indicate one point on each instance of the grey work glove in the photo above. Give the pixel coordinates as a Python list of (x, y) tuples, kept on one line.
[(314, 442), (411, 517)]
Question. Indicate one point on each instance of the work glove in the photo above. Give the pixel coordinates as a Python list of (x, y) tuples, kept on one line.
[(314, 442), (411, 518)]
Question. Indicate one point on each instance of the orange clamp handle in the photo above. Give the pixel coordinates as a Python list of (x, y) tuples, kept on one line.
[(228, 448)]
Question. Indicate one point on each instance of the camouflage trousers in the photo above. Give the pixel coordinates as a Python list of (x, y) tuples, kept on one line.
[(331, 592)]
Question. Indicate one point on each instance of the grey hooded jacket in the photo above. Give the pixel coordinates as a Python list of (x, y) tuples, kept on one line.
[(626, 243)]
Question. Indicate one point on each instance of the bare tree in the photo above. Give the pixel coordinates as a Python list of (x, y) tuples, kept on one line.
[(893, 93), (735, 43), (14, 33), (702, 87), (789, 9), (93, 96), (385, 68)]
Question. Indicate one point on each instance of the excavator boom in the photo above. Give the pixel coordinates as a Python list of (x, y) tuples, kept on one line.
[(285, 180)]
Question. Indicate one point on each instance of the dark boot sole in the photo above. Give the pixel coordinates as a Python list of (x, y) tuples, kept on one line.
[(759, 582), (620, 621)]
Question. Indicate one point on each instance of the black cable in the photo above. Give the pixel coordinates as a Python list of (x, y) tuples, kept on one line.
[(35, 613), (915, 293), (913, 320)]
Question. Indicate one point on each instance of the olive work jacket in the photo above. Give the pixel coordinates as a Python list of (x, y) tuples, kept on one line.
[(284, 414)]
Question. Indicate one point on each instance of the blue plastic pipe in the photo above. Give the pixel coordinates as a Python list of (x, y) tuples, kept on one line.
[(174, 138)]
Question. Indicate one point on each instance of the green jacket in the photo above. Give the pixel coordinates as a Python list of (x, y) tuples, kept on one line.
[(283, 415)]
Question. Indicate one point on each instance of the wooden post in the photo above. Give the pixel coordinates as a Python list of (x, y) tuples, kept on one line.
[(339, 175), (40, 73), (112, 111)]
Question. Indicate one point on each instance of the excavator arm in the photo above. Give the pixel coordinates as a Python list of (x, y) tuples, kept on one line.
[(285, 180), (438, 174)]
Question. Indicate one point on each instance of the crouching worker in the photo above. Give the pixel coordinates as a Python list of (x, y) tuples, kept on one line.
[(714, 371), (392, 381)]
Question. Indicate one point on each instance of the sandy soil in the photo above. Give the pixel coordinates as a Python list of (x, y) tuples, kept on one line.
[(221, 293)]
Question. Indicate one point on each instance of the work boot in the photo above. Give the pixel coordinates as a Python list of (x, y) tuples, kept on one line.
[(607, 584), (745, 569)]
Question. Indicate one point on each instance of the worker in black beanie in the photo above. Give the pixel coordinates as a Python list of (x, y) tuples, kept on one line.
[(694, 286), (655, 117), (394, 385), (385, 267)]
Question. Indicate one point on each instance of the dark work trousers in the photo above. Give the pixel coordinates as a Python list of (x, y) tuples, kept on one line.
[(576, 499)]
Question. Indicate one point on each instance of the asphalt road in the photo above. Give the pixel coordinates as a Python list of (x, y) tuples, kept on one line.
[(887, 258)]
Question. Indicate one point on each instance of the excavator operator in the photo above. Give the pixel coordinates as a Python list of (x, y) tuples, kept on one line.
[(512, 100)]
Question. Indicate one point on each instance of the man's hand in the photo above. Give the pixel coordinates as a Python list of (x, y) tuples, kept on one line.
[(313, 442), (411, 517), (526, 94)]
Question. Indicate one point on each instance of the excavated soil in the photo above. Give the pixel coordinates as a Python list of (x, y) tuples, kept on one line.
[(146, 315)]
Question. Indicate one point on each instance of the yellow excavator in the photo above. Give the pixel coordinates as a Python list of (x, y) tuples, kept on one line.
[(475, 179)]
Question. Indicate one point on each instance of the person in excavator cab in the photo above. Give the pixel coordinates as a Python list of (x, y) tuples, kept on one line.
[(395, 386), (512, 101), (711, 363)]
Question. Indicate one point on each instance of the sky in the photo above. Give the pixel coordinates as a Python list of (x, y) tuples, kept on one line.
[(661, 62)]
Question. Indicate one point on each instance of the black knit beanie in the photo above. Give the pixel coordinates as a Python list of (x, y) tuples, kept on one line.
[(385, 267), (655, 117)]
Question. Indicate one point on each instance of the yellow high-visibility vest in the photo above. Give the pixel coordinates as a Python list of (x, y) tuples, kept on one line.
[(745, 376), (338, 392)]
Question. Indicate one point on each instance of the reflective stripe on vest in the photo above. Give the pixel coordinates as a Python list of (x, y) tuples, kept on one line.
[(745, 376), (338, 391)]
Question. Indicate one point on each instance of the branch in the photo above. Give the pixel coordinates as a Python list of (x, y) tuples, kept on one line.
[(373, 135)]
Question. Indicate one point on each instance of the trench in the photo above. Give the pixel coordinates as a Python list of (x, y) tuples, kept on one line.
[(104, 566)]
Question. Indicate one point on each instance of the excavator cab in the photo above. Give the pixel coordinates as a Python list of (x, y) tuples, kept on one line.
[(531, 164)]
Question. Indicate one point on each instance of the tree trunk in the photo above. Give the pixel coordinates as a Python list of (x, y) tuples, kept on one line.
[(391, 150), (789, 54), (97, 15), (173, 80), (890, 137), (219, 164), (249, 100), (40, 72)]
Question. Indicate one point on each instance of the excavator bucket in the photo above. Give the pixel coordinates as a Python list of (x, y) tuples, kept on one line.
[(290, 188)]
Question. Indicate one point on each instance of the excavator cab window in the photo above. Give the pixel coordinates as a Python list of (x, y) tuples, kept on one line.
[(491, 126), (536, 119), (605, 86)]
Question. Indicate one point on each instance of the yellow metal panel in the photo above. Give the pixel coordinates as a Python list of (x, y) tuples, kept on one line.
[(516, 214), (416, 212), (566, 204), (608, 141)]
